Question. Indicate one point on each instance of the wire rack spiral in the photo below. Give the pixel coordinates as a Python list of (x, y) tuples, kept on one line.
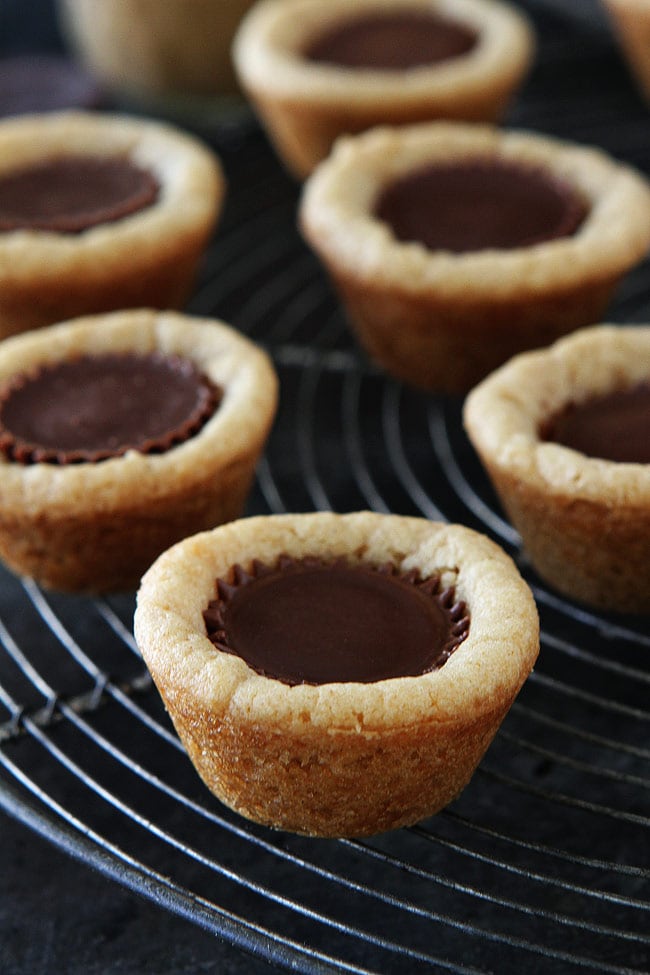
[(544, 861)]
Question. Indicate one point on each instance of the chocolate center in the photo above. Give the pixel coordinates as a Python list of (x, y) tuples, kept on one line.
[(612, 427), (479, 204), (92, 408), (72, 193), (310, 622), (392, 41)]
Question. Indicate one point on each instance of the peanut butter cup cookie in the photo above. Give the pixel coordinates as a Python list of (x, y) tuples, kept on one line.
[(99, 212), (336, 675), (163, 52), (564, 433), (121, 434), (316, 70), (453, 247), (631, 23)]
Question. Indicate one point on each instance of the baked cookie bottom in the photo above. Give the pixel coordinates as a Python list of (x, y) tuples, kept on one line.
[(97, 526), (440, 320), (147, 259), (305, 106), (584, 522), (339, 759)]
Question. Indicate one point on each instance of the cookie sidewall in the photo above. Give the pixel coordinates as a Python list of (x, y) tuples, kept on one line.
[(98, 526), (305, 106), (337, 759), (443, 321), (147, 259), (584, 522)]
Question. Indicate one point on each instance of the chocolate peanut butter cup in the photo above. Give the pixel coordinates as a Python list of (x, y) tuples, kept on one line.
[(121, 434), (454, 247), (350, 671), (391, 40), (564, 434), (100, 212), (614, 427), (70, 194), (307, 621), (315, 71), (479, 205), (96, 407)]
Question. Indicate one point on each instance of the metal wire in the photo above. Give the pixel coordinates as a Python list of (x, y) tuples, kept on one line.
[(544, 861)]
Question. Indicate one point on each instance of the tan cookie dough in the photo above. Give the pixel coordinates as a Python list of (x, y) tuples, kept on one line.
[(443, 320), (98, 526), (585, 522), (338, 759), (305, 106), (631, 22), (156, 47), (149, 258)]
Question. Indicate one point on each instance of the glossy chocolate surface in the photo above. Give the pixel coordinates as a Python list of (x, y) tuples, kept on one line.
[(392, 41), (613, 427), (479, 204), (92, 408), (70, 194), (309, 621)]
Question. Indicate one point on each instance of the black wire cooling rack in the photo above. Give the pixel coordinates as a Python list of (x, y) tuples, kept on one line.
[(543, 863)]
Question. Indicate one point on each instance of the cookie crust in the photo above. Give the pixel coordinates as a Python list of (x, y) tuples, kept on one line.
[(442, 321), (306, 106), (148, 259), (152, 47), (98, 526), (585, 522), (337, 759), (631, 22)]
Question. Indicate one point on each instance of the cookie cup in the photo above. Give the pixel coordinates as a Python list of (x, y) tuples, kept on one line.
[(153, 49), (147, 259), (584, 522), (441, 320), (305, 105), (631, 22), (339, 759), (97, 526)]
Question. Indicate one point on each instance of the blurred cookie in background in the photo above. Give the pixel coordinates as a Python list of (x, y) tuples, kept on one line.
[(314, 71), (158, 54), (631, 23)]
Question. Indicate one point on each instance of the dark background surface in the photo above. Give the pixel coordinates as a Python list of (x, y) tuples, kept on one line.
[(57, 914)]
